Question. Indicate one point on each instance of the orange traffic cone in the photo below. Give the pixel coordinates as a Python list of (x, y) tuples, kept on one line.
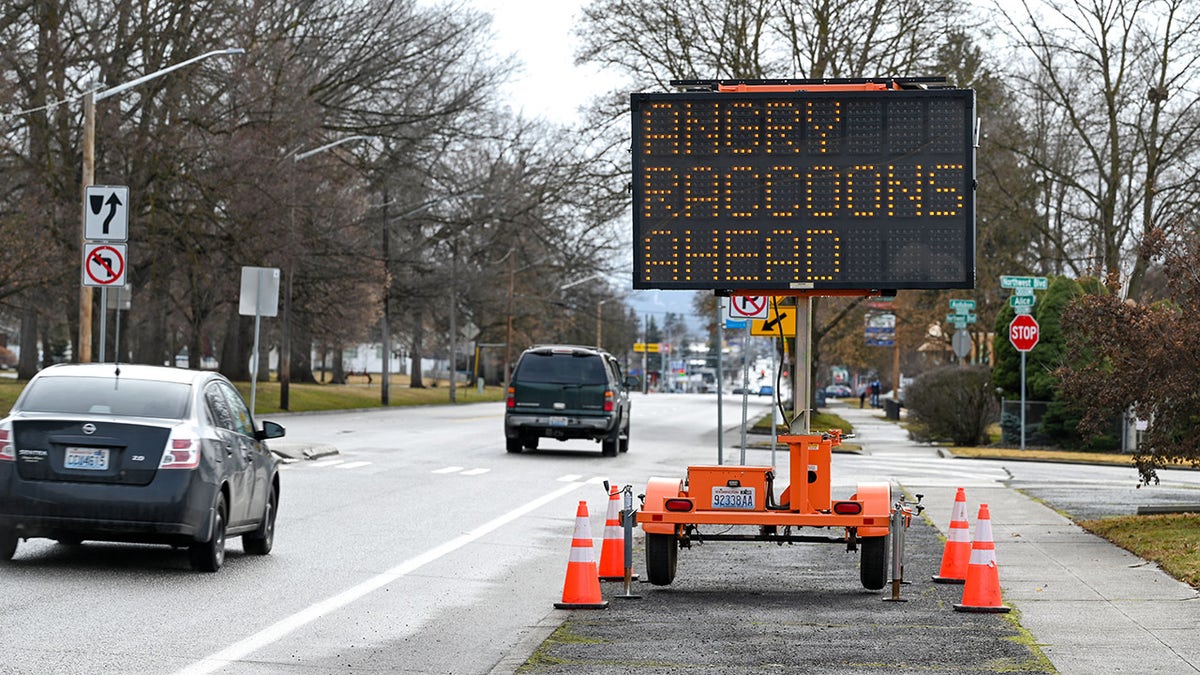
[(582, 587), (612, 553), (981, 592), (957, 553)]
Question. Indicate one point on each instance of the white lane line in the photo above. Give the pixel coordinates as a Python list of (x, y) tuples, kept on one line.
[(448, 469), (475, 472), (569, 478), (327, 462), (353, 465), (283, 627)]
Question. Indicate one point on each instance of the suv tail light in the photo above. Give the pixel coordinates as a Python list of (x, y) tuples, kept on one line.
[(608, 401), (510, 399), (182, 452), (7, 452)]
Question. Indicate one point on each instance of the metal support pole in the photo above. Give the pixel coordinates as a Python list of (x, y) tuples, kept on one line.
[(627, 518), (720, 385), (1022, 400), (897, 527), (254, 359), (385, 375), (104, 323), (802, 396), (774, 400), (745, 387), (117, 338)]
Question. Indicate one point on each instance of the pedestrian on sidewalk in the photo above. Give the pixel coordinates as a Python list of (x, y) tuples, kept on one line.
[(862, 396)]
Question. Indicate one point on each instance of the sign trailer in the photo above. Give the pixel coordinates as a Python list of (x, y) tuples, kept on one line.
[(797, 188)]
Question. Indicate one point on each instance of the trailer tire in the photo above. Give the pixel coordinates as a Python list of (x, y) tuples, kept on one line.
[(873, 567), (662, 553)]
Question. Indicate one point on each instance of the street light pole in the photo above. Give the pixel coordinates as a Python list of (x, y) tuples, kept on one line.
[(285, 349), (84, 348), (385, 332), (599, 323)]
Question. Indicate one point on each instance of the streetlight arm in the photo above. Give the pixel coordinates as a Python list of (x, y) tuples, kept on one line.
[(101, 95), (309, 153)]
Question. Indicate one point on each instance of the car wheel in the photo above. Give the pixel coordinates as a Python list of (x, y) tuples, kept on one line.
[(873, 567), (662, 554), (609, 445), (624, 443), (208, 556), (513, 444), (8, 544), (261, 540)]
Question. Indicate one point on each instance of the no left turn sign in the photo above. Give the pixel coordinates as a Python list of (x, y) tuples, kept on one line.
[(104, 265)]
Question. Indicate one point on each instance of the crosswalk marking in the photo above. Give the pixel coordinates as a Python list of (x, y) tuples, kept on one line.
[(475, 472), (352, 465), (448, 469)]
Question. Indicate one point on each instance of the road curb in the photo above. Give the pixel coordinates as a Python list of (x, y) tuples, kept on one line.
[(302, 451)]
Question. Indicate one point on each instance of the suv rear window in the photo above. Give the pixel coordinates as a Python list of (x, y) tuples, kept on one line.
[(107, 396), (561, 369)]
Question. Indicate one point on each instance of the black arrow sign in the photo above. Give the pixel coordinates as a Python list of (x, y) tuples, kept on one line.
[(771, 324), (113, 203)]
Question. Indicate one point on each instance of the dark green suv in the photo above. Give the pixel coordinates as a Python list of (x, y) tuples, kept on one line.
[(566, 392)]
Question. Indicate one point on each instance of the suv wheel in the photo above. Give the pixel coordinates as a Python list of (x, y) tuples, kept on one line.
[(610, 444), (512, 444), (624, 442)]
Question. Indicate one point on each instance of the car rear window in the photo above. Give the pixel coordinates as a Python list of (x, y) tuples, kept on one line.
[(561, 369), (106, 396)]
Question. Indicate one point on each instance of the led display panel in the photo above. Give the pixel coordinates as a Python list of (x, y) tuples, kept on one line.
[(804, 190)]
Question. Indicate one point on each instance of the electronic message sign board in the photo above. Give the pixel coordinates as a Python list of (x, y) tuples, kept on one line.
[(770, 190)]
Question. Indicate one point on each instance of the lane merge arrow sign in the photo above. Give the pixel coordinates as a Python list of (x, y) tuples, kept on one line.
[(106, 213)]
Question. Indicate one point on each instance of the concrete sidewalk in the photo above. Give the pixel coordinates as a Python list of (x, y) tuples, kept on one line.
[(1091, 606)]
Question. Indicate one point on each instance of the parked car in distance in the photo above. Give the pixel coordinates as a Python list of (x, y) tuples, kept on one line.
[(839, 391), (567, 392), (766, 390), (135, 453)]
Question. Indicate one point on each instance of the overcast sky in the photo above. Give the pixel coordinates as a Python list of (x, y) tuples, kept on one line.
[(540, 33)]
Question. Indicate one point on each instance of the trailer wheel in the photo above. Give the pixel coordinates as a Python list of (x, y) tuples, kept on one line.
[(662, 552), (873, 567)]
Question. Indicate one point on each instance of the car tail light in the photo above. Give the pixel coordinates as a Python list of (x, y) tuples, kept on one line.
[(181, 453), (510, 398), (677, 504), (7, 452), (608, 401), (847, 508)]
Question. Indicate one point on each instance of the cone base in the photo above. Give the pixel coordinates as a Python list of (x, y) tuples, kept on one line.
[(632, 577), (1001, 609), (582, 605), (948, 580)]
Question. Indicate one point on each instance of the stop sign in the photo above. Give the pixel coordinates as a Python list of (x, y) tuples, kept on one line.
[(1023, 332)]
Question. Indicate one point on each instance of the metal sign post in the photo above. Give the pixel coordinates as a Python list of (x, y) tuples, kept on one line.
[(259, 297)]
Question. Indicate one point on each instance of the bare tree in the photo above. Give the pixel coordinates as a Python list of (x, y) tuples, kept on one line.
[(1113, 91)]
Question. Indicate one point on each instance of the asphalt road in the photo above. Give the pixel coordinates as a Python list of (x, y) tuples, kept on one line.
[(753, 608), (423, 547)]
